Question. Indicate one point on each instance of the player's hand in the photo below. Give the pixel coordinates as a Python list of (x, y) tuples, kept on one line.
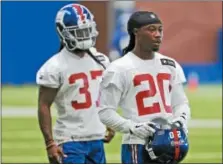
[(143, 130), (179, 122), (54, 153), (109, 135)]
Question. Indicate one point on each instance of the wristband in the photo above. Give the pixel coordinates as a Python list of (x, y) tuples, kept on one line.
[(50, 145)]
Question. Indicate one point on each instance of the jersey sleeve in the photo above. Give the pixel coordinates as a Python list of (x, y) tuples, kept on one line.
[(49, 75), (180, 103), (112, 78), (178, 77), (111, 89)]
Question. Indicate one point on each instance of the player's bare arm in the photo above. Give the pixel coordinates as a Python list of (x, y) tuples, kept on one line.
[(45, 100), (110, 133)]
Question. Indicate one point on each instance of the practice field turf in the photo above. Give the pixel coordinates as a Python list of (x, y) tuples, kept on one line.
[(206, 102), (22, 141)]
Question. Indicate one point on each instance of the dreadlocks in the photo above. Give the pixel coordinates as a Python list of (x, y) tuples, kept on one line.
[(131, 44)]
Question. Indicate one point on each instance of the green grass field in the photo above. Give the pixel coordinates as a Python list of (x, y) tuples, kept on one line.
[(22, 141)]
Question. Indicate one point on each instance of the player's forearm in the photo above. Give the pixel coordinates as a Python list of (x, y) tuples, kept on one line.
[(182, 110), (45, 123), (180, 103), (112, 119), (45, 100)]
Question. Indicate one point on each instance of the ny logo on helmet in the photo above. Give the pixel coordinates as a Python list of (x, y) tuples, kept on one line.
[(80, 13)]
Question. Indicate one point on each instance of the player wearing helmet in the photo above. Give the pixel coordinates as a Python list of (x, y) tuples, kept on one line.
[(147, 85), (71, 79)]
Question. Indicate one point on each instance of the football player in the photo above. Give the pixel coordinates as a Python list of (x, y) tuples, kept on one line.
[(71, 79), (146, 85)]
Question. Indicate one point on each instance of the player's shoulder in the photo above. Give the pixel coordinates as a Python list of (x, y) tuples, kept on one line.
[(49, 74), (167, 61), (174, 67), (100, 56), (53, 64), (121, 64)]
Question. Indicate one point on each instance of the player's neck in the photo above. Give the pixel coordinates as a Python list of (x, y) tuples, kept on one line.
[(78, 52), (144, 55)]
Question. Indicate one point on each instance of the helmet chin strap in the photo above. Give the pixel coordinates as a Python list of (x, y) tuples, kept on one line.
[(82, 45), (69, 46)]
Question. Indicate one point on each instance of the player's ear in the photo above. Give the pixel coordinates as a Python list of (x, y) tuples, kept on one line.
[(135, 31)]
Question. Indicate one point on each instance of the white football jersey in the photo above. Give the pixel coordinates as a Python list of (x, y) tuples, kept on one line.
[(78, 82), (145, 87)]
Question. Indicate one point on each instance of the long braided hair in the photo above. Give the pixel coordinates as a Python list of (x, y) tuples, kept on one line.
[(131, 44), (95, 58)]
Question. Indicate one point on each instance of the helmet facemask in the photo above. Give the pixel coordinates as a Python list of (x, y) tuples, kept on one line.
[(78, 37)]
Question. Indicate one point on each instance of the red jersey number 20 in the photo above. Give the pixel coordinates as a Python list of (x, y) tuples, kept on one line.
[(159, 79)]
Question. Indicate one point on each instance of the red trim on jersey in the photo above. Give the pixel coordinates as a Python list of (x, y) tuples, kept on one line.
[(79, 11), (176, 144)]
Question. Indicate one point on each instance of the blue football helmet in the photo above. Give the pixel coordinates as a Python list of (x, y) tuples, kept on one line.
[(168, 146), (76, 27)]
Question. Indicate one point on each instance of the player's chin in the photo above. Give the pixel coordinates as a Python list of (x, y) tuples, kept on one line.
[(155, 49)]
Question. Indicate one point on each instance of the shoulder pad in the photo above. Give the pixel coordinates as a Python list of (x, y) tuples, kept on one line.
[(100, 57), (165, 61)]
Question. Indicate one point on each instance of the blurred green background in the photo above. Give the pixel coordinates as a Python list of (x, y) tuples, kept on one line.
[(22, 140)]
